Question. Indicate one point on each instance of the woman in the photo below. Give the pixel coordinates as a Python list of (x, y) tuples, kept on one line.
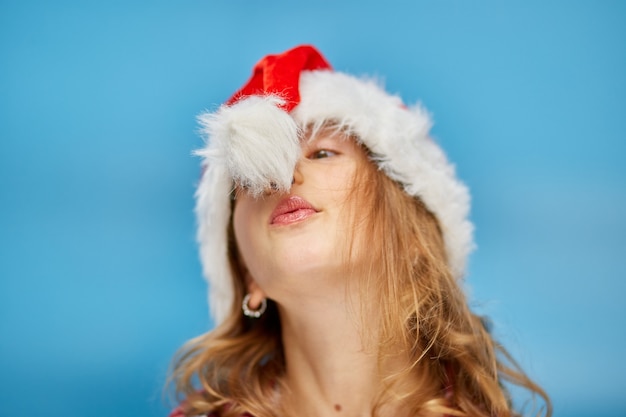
[(334, 235)]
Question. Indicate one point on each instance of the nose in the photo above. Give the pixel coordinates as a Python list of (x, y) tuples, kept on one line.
[(297, 175), (297, 178)]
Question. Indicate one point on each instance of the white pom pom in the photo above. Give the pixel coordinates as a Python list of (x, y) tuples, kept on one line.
[(257, 140)]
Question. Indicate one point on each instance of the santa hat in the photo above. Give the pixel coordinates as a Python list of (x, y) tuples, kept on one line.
[(253, 140)]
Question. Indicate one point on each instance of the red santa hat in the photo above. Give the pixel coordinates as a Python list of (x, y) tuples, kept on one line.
[(253, 140)]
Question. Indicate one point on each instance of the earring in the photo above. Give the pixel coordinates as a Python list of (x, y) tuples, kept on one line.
[(253, 313)]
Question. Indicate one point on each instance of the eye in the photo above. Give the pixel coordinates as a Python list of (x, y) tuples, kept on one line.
[(322, 153)]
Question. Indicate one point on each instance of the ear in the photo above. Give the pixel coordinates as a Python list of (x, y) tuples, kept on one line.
[(256, 293)]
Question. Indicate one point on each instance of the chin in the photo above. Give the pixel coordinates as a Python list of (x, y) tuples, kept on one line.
[(308, 260)]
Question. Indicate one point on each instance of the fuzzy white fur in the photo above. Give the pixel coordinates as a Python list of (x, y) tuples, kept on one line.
[(255, 143)]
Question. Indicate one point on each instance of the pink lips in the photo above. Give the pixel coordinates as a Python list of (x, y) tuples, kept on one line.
[(291, 210)]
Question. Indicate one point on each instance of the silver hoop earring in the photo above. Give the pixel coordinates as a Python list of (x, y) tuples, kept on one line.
[(253, 313)]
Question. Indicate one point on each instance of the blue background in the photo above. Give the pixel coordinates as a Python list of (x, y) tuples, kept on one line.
[(99, 277)]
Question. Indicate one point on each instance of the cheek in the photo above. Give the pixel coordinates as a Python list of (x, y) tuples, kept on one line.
[(242, 229), (358, 211), (248, 228)]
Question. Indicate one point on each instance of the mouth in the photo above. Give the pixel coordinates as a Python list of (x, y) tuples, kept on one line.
[(292, 209)]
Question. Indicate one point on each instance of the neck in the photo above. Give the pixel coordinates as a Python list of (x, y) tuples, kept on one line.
[(329, 370)]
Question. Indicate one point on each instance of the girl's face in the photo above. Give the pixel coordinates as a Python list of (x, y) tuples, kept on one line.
[(297, 240)]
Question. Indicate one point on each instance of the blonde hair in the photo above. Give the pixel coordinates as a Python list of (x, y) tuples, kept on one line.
[(454, 364)]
